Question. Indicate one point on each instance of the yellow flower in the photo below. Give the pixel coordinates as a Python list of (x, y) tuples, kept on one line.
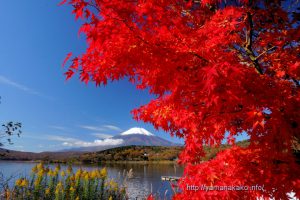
[(77, 198), (62, 173), (98, 173), (40, 166), (55, 173), (41, 173), (50, 172), (7, 194), (72, 189), (34, 169), (113, 185), (86, 177), (18, 182), (47, 191), (72, 178), (94, 174), (72, 183), (58, 187), (57, 168), (78, 174), (59, 184), (37, 182), (24, 183), (84, 173), (110, 198), (69, 169), (103, 173)]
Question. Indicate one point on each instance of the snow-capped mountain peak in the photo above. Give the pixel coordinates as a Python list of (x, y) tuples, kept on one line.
[(137, 130)]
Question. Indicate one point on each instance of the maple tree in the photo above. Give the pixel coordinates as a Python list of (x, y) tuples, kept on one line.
[(218, 69)]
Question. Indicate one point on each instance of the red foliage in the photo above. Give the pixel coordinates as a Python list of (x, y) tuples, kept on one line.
[(150, 197), (215, 66)]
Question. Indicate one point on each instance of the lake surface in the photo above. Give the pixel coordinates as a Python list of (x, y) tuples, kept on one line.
[(146, 177)]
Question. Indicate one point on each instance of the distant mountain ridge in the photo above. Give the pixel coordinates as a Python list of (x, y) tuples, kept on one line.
[(132, 137), (123, 153), (6, 154)]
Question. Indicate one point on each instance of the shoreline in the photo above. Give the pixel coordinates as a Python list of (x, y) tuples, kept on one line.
[(102, 162)]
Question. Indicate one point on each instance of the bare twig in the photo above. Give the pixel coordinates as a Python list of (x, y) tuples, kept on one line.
[(266, 51)]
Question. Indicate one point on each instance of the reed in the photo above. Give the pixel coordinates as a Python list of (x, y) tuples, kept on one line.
[(57, 184)]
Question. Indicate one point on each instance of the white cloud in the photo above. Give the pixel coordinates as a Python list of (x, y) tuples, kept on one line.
[(104, 142), (73, 142), (111, 127), (91, 128), (101, 128), (19, 86), (102, 135)]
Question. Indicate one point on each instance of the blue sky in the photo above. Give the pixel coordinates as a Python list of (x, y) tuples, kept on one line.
[(35, 37)]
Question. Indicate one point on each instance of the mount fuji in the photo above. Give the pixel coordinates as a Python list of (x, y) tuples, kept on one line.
[(134, 136)]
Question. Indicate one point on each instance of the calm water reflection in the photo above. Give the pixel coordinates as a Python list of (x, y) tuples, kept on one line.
[(146, 177)]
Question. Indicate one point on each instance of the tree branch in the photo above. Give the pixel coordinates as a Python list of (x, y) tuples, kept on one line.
[(198, 56), (248, 45), (270, 49)]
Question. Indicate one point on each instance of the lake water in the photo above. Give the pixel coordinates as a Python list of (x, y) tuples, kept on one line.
[(146, 177)]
